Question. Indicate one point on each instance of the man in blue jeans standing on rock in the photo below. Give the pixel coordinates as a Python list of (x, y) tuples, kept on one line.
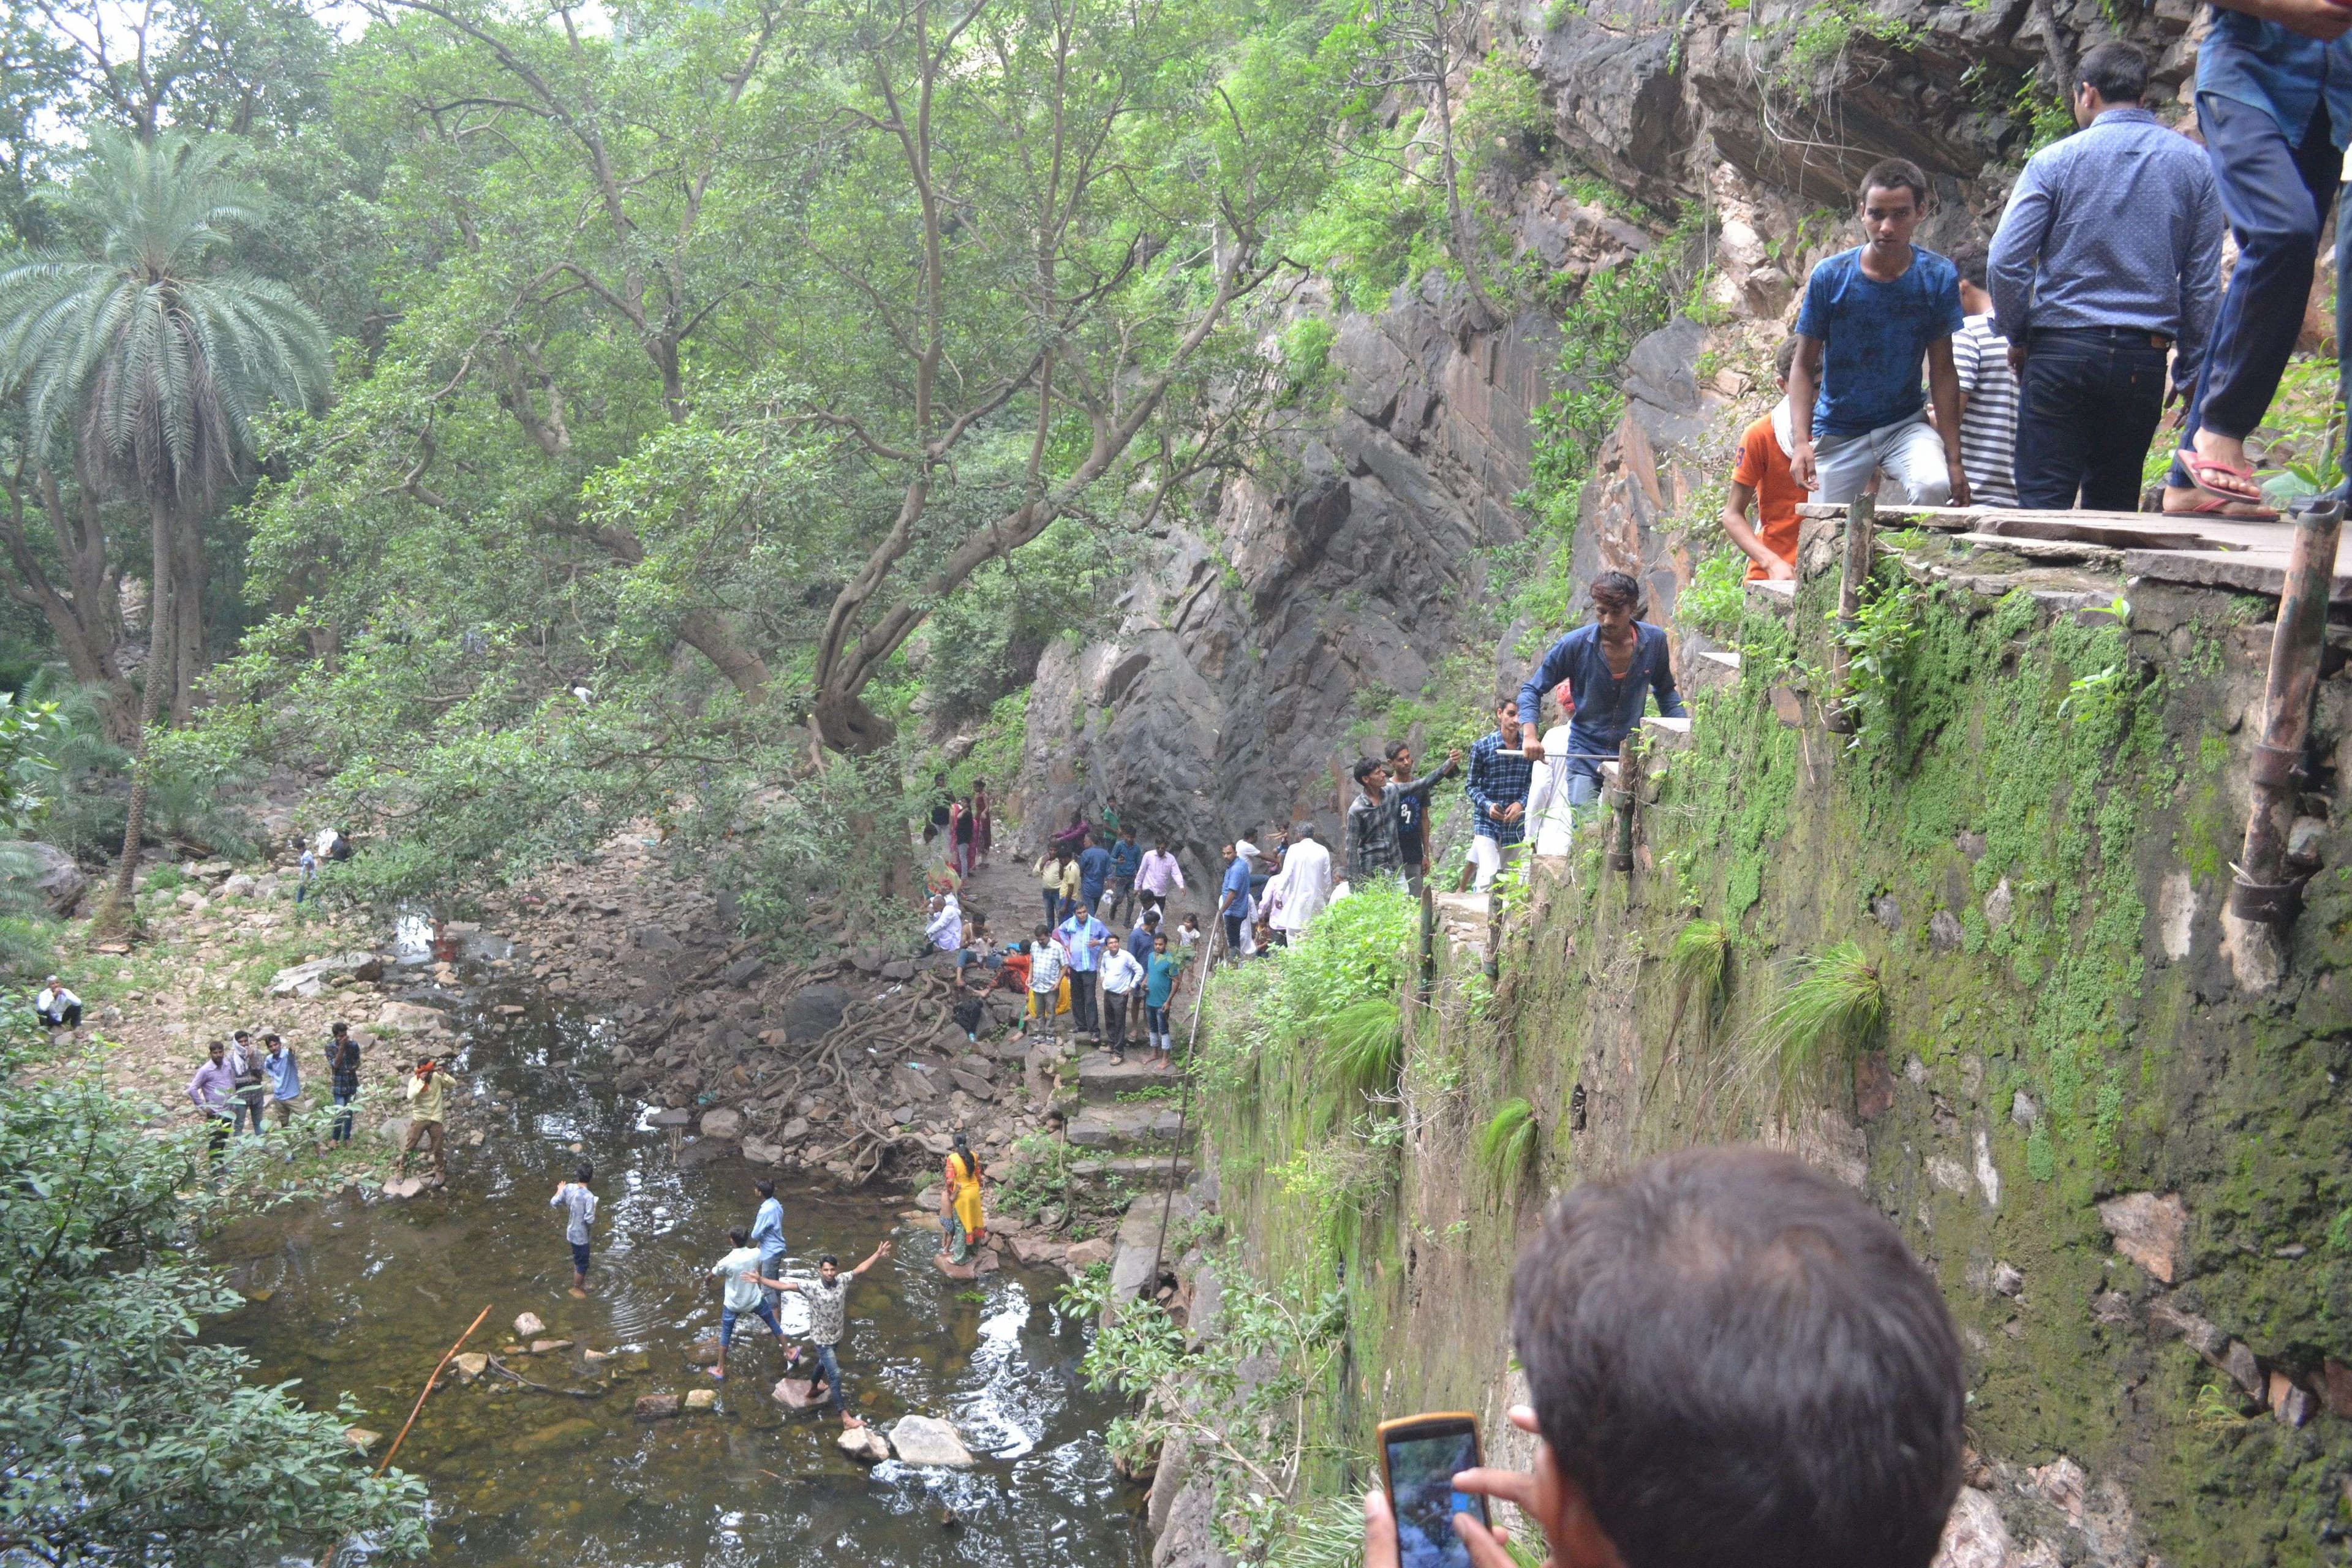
[(2108, 259), (1870, 313), (2274, 103)]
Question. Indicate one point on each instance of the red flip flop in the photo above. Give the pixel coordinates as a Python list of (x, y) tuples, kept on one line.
[(2218, 505)]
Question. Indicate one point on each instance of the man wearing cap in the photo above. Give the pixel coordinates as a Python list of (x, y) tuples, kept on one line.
[(1233, 895)]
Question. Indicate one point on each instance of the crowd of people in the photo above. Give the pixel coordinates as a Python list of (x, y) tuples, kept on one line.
[(2050, 354)]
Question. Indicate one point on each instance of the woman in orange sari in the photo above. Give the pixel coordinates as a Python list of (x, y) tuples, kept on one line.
[(962, 1227)]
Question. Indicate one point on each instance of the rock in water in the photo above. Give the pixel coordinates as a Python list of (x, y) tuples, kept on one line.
[(702, 1398), (760, 1152), (793, 1393), (865, 1445), (926, 1440), (654, 1406), (702, 1352), (544, 1347), (527, 1325), (362, 1439), (721, 1122), (471, 1365)]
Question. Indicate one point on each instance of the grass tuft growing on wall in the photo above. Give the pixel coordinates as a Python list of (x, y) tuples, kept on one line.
[(1363, 1046), (1836, 1005), (1506, 1147), (1700, 961)]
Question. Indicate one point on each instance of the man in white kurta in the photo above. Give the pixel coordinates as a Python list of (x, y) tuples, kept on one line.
[(1306, 885)]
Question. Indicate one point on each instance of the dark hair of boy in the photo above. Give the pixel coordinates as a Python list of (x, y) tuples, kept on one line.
[(1894, 174), (765, 1187), (2116, 71), (1737, 1360), (1365, 767), (828, 1261), (583, 1172), (1970, 261), (739, 1236), (1784, 358), (1610, 588)]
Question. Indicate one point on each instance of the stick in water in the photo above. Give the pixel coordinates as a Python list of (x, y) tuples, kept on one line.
[(429, 1384)]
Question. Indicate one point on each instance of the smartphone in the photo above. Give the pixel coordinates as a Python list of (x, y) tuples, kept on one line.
[(1418, 1457)]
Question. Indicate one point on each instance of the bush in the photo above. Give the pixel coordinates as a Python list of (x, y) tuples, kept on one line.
[(122, 1439)]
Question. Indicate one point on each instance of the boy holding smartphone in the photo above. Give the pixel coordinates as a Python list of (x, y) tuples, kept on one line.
[(1821, 1431)]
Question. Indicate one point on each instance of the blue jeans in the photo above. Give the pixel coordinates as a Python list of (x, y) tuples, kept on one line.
[(2088, 404), (580, 1257), (831, 1370), (727, 1316), (344, 1097), (771, 1267), (2276, 198), (245, 1110)]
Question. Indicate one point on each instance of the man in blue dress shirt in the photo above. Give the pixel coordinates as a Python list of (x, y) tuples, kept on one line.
[(2108, 258)]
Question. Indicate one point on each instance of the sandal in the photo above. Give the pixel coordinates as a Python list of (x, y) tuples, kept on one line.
[(2215, 477), (2228, 508)]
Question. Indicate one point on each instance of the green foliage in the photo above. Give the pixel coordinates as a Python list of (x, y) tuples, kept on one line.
[(1239, 1400), (1378, 226), (124, 1437), (1826, 33), (1877, 647), (1363, 1045), (29, 776), (1718, 597), (1305, 352), (1700, 961), (1836, 1005), (1507, 1145)]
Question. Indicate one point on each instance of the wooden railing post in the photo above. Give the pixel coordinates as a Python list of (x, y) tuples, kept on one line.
[(2262, 891), (1860, 527)]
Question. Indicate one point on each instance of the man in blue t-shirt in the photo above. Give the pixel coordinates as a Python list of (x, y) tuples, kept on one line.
[(1870, 315)]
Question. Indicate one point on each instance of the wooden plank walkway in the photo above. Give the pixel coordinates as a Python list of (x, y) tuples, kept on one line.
[(2202, 551)]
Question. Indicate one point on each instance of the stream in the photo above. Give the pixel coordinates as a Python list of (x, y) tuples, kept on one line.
[(358, 1297)]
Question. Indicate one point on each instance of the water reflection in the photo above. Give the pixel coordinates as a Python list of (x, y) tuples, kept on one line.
[(364, 1298)]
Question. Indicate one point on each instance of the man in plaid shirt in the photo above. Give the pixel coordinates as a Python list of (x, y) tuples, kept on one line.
[(1372, 847), (1497, 788)]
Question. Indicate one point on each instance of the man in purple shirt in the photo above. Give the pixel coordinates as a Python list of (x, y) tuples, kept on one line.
[(213, 1091), (1158, 875)]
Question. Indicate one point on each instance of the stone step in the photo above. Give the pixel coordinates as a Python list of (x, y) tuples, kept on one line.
[(1667, 734), (1139, 1173), (1102, 1080), (1120, 1129), (1711, 670)]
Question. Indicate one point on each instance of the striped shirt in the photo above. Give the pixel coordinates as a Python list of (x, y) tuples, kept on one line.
[(1988, 425)]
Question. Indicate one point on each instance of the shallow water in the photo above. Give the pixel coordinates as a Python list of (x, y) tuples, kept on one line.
[(362, 1298)]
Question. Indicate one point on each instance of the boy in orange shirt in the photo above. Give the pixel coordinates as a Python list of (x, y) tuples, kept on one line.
[(1762, 477)]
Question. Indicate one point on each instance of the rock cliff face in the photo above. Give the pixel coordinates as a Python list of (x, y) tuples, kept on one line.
[(1224, 702)]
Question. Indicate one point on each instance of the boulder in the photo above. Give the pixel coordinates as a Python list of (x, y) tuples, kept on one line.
[(1085, 1255), (926, 1440), (408, 1019), (310, 979), (656, 1406), (721, 1122), (471, 1365), (702, 1352), (743, 971), (527, 1325), (702, 1398), (362, 1439), (549, 1347), (813, 1012), (49, 871), (2150, 1230), (761, 1152), (898, 968), (675, 1116), (794, 1393), (654, 939), (1974, 1536), (240, 886), (192, 901), (865, 1445), (914, 1085)]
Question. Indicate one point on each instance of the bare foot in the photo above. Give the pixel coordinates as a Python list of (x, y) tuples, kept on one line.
[(717, 1374), (579, 1294), (850, 1422)]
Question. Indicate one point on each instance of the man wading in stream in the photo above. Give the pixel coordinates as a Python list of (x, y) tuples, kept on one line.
[(740, 1292), (828, 1317), (578, 1207)]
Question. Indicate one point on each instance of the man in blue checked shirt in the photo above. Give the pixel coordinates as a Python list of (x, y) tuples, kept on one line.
[(1082, 937), (1497, 788), (1126, 861)]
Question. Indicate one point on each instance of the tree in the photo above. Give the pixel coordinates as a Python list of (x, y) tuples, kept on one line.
[(153, 365), (124, 1439)]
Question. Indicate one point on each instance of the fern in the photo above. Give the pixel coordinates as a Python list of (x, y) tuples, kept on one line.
[(1506, 1145), (1836, 1004), (1364, 1047), (1325, 1533)]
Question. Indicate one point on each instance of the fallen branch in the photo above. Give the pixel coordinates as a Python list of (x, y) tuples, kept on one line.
[(430, 1384)]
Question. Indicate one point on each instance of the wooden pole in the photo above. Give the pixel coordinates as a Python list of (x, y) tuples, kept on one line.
[(1861, 525), (2262, 891)]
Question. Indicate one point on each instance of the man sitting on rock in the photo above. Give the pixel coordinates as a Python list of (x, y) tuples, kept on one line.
[(1732, 1359), (57, 1007)]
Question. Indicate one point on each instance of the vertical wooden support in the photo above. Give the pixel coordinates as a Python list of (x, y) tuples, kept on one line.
[(1628, 789), (2263, 892), (1861, 531)]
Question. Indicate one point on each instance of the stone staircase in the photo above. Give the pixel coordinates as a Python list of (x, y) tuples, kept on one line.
[(1130, 1140)]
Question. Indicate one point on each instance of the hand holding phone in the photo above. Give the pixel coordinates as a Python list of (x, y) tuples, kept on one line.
[(1419, 1456)]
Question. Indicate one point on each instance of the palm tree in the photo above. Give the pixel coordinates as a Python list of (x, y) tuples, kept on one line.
[(156, 362)]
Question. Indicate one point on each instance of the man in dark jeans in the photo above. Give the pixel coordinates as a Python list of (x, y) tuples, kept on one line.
[(343, 1066), (2274, 103), (2108, 256)]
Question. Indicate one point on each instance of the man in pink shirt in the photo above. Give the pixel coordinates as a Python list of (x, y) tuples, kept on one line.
[(1158, 875)]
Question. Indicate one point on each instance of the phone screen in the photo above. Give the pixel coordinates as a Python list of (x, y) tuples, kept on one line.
[(1421, 1475)]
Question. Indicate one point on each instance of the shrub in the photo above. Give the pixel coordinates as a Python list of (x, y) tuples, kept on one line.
[(1363, 1046), (1506, 1146), (1836, 1005)]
